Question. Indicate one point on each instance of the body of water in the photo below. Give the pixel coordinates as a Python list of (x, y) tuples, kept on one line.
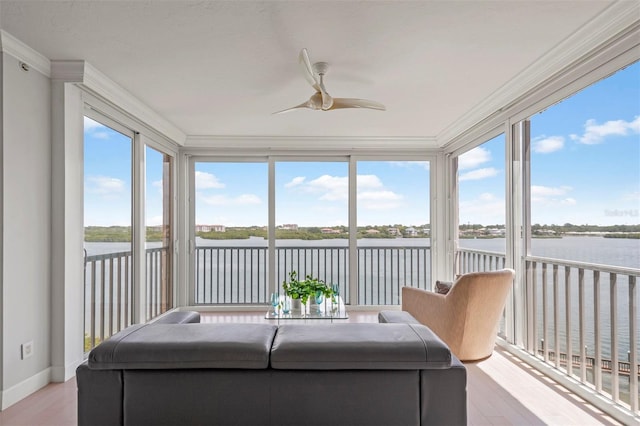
[(604, 251)]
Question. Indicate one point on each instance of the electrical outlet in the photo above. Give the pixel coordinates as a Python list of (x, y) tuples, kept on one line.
[(26, 349)]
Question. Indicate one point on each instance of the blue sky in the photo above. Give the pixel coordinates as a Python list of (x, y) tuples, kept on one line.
[(585, 169), (312, 193)]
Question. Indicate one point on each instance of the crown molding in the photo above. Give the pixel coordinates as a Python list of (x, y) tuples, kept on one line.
[(83, 73), (101, 85), (312, 143), (613, 21), (94, 81), (14, 47), (67, 71)]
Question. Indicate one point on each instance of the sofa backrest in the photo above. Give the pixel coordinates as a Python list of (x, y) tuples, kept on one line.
[(173, 346), (358, 347)]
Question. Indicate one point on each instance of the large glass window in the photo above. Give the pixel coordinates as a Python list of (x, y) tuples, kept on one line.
[(481, 205), (231, 218), (312, 214), (585, 207), (585, 174), (311, 217), (159, 232), (107, 224), (393, 229)]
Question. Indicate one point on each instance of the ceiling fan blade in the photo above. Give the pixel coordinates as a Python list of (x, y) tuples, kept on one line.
[(307, 69), (339, 103), (314, 102), (302, 105), (327, 100)]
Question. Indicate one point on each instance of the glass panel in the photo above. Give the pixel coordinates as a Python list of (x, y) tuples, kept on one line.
[(159, 232), (231, 218), (481, 206), (393, 229), (312, 208), (585, 174), (107, 221), (585, 207)]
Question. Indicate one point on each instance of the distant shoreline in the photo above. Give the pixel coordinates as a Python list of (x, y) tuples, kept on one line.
[(122, 234)]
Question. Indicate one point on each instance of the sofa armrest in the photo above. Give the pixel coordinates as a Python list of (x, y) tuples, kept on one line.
[(179, 317), (402, 317), (100, 396)]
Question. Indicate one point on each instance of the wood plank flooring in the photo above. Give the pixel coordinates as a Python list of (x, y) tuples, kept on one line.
[(501, 391)]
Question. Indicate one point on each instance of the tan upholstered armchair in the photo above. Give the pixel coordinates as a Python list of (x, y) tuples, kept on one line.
[(467, 317)]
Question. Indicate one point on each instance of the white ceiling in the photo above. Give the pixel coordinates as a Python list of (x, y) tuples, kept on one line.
[(222, 67)]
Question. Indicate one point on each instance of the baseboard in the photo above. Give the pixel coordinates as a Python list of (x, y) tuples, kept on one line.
[(25, 388), (62, 374)]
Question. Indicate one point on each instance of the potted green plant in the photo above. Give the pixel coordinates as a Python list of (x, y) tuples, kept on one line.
[(303, 290)]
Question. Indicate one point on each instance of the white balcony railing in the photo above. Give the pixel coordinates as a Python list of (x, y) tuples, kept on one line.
[(238, 275), (583, 312), (109, 299)]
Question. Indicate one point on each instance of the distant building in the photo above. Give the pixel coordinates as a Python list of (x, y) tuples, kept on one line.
[(495, 231), (209, 228), (411, 232), (372, 231), (329, 231), (393, 231), (290, 226)]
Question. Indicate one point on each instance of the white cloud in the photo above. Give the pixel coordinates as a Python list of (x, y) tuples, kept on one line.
[(379, 200), (546, 191), (545, 145), (90, 124), (631, 196), (327, 183), (595, 133), (295, 182), (371, 191), (223, 200), (486, 209), (206, 180), (104, 185), (478, 174), (552, 196), (369, 181), (96, 130), (474, 158), (409, 164)]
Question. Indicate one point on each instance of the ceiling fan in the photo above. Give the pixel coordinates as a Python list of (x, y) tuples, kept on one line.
[(321, 100)]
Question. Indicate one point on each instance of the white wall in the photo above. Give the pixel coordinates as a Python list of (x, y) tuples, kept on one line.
[(26, 228)]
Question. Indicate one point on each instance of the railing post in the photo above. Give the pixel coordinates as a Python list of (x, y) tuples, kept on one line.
[(597, 363), (633, 345), (545, 324), (615, 382), (556, 315), (581, 315), (567, 311)]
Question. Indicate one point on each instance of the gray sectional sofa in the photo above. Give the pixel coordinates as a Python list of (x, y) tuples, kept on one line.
[(263, 374)]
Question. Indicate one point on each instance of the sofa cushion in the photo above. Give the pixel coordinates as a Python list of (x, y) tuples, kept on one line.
[(358, 346), (443, 287), (167, 346)]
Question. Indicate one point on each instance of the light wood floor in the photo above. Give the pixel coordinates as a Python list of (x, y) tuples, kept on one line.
[(501, 391)]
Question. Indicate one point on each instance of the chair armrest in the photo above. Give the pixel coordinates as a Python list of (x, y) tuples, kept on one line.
[(428, 308)]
